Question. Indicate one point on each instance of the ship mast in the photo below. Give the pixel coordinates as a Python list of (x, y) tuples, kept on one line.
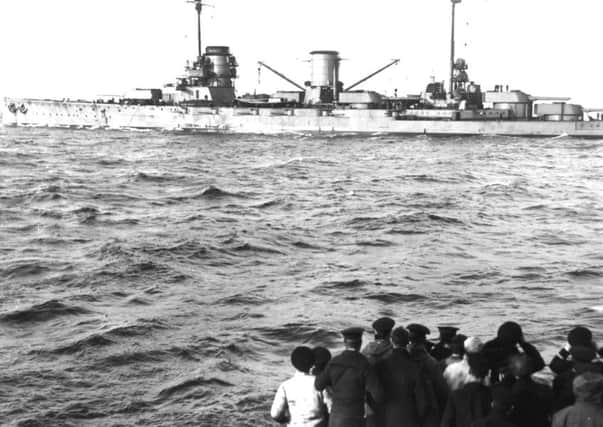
[(198, 7), (450, 88)]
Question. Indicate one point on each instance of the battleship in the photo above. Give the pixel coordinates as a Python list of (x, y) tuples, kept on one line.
[(204, 99)]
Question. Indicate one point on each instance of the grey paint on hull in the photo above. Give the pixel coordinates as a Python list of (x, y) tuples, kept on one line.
[(81, 114)]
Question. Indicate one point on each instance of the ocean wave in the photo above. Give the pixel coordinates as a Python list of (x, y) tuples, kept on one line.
[(395, 297), (243, 299), (186, 385), (90, 342), (298, 332), (158, 178), (212, 192), (585, 273), (42, 312), (422, 219)]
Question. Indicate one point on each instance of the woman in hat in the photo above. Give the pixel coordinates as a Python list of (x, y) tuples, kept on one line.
[(297, 403)]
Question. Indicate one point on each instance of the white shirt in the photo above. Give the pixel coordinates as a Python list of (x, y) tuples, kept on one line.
[(457, 374), (305, 405)]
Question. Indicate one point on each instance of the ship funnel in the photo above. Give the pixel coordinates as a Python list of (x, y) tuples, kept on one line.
[(325, 68)]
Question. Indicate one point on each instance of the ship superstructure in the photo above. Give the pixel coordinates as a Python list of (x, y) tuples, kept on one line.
[(204, 99)]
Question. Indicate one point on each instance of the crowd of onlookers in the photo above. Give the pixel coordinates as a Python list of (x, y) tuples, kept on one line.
[(401, 379)]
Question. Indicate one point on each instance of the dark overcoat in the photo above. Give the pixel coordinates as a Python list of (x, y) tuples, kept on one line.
[(350, 377)]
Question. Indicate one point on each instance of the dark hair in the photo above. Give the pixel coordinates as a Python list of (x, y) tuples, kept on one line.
[(478, 364), (322, 356), (400, 336), (580, 336), (302, 358)]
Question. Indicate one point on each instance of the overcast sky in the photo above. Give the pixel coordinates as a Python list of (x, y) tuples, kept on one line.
[(82, 48)]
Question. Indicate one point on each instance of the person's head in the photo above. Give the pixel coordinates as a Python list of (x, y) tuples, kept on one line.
[(588, 387), (510, 333), (417, 334), (473, 345), (322, 356), (580, 336), (478, 365), (352, 338), (447, 333), (583, 354), (302, 359), (502, 399), (383, 327), (400, 337), (521, 366), (457, 345)]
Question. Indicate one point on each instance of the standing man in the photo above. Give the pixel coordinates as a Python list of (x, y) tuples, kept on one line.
[(442, 350), (351, 378), (376, 351), (381, 347), (431, 392)]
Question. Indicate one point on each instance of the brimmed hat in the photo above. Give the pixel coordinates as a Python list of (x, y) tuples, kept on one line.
[(302, 358), (447, 332), (383, 325), (352, 334), (417, 332)]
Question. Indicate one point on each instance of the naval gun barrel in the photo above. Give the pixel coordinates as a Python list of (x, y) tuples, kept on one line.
[(549, 98), (394, 62), (281, 75)]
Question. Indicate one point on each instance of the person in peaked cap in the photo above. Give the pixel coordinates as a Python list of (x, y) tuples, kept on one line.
[(381, 346), (375, 351), (399, 376), (417, 333), (578, 336), (442, 350), (297, 402), (432, 391), (350, 377)]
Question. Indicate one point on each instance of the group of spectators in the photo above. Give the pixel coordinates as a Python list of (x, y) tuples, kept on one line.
[(401, 379)]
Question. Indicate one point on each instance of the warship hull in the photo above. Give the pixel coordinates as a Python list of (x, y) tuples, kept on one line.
[(84, 114)]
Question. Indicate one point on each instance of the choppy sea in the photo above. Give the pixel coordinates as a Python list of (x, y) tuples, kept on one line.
[(163, 279)]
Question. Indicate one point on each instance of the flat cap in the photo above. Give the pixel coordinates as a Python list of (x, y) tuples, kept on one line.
[(353, 334), (383, 325), (417, 331)]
